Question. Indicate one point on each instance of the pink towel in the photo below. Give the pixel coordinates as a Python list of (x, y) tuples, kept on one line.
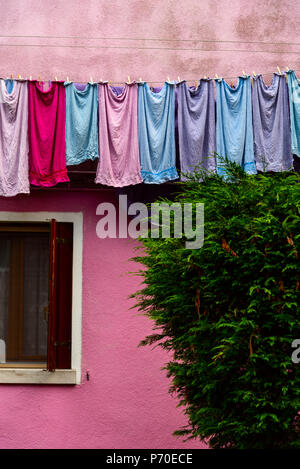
[(46, 130), (13, 140), (119, 163)]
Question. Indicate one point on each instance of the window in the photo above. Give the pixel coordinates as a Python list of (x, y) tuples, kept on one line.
[(36, 300)]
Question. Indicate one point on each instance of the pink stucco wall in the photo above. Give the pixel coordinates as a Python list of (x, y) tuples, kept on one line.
[(126, 403)]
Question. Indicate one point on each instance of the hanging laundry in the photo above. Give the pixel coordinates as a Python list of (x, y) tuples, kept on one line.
[(46, 131), (234, 133), (294, 99), (156, 117), (271, 124), (81, 122), (196, 126), (14, 178), (119, 163)]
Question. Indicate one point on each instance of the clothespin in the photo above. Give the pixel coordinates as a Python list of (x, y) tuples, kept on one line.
[(205, 77), (68, 79), (129, 81), (287, 69), (217, 76), (110, 83), (279, 71), (92, 80), (55, 78), (244, 73), (30, 78), (254, 74), (178, 78), (141, 80), (151, 87), (39, 80), (11, 77), (168, 78), (196, 83), (231, 84)]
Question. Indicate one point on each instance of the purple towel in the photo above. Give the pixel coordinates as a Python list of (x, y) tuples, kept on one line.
[(271, 124), (196, 126)]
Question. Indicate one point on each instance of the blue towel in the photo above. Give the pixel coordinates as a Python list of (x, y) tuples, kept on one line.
[(156, 127), (294, 95), (234, 133), (81, 122)]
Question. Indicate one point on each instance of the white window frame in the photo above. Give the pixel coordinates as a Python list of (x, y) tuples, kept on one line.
[(41, 376)]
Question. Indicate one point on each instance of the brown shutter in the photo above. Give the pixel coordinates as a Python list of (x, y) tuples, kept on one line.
[(60, 296)]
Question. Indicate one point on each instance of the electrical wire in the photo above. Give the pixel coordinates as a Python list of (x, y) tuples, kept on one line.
[(217, 41), (76, 46)]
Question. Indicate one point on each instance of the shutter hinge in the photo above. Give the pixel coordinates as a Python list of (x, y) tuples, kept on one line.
[(61, 344), (63, 240)]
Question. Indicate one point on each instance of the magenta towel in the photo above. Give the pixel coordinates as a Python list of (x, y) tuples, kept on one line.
[(14, 177), (46, 133), (119, 163)]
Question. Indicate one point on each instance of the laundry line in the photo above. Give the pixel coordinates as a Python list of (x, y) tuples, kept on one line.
[(120, 82)]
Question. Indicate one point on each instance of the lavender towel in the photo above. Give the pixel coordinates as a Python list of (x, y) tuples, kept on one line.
[(14, 177)]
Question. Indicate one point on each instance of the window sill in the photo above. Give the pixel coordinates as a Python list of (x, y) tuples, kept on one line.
[(36, 376)]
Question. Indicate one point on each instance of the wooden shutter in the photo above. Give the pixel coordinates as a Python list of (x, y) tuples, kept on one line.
[(60, 296)]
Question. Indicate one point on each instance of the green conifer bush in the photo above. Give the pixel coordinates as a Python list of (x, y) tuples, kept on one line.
[(230, 311)]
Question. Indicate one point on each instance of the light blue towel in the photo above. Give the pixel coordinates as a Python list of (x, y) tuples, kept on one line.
[(234, 132), (294, 98), (81, 122), (156, 126)]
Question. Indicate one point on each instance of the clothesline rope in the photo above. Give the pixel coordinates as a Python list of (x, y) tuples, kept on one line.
[(217, 41), (120, 82)]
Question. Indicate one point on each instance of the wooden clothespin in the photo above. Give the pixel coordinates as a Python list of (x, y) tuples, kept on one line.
[(151, 87), (287, 69), (30, 78), (129, 81), (110, 83), (168, 78), (217, 76), (55, 78), (68, 79), (196, 83), (254, 74), (11, 77), (279, 71), (231, 84), (178, 78), (141, 80), (39, 80), (244, 73), (205, 77)]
